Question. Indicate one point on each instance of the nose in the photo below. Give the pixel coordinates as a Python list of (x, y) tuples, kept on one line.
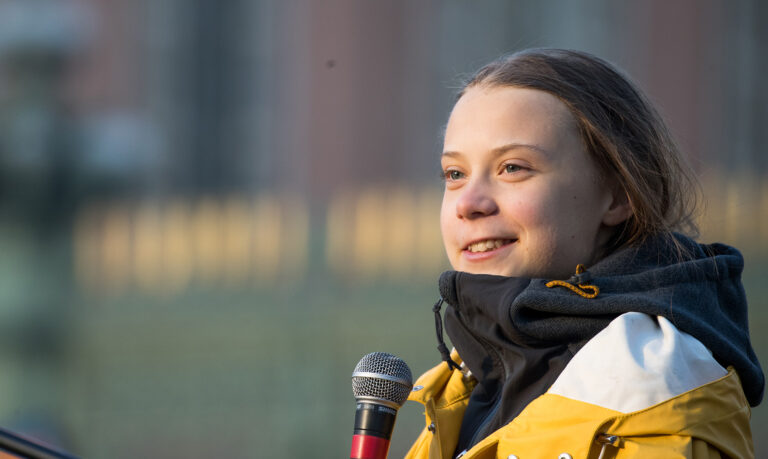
[(476, 201)]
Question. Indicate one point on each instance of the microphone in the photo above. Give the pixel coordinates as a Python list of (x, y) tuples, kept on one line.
[(381, 383)]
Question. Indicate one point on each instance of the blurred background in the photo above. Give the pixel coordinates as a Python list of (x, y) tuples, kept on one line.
[(209, 211)]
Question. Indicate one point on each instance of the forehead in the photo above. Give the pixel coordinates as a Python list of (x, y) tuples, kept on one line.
[(486, 116)]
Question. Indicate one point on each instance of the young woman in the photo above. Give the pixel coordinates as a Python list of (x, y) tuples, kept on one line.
[(585, 323)]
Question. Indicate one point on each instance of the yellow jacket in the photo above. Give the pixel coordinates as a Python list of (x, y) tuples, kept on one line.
[(708, 421)]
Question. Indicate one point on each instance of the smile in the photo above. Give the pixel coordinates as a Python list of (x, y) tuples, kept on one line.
[(488, 245)]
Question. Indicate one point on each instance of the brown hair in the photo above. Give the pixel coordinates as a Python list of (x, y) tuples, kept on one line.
[(622, 132)]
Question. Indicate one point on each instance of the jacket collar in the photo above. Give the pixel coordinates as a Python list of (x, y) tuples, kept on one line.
[(445, 392)]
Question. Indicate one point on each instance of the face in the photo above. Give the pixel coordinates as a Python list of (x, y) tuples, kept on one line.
[(522, 196)]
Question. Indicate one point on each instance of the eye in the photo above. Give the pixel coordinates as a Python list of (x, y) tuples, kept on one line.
[(452, 175), (511, 168)]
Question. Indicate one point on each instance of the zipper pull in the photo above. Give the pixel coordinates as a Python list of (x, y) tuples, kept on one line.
[(605, 440)]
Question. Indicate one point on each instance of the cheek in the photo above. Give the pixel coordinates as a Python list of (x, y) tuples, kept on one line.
[(564, 226), (545, 221), (530, 210)]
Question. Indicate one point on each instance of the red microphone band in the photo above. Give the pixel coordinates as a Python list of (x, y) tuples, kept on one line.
[(369, 447)]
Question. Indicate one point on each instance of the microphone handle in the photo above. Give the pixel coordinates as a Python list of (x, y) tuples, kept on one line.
[(373, 429)]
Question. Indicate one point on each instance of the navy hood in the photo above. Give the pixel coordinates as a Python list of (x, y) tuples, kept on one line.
[(695, 286)]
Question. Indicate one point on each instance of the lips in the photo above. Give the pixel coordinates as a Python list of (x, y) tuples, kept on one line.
[(488, 245)]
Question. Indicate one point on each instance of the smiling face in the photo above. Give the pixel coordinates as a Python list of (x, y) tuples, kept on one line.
[(522, 196)]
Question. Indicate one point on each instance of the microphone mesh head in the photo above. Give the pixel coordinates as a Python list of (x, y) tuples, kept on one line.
[(383, 376)]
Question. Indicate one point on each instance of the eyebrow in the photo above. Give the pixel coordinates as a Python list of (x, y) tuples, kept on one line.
[(503, 149)]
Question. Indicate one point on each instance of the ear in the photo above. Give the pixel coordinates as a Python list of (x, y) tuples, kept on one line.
[(619, 209)]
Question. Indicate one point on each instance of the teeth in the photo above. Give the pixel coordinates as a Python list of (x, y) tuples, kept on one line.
[(490, 244)]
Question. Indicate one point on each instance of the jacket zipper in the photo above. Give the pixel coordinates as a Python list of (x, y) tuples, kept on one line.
[(605, 440)]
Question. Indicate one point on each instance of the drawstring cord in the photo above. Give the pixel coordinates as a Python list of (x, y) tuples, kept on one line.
[(578, 283), (439, 331)]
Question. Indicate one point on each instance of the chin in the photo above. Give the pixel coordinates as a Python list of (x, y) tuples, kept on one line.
[(491, 270)]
